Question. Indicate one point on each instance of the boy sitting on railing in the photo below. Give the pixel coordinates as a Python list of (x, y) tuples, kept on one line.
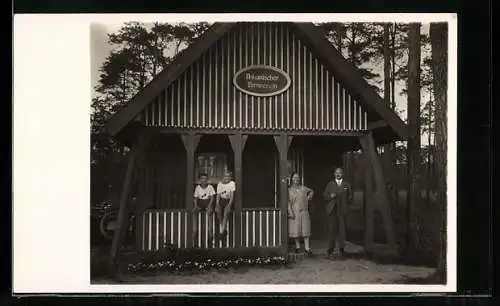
[(224, 201), (203, 202)]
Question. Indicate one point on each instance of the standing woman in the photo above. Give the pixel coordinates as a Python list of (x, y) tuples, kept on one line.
[(299, 222)]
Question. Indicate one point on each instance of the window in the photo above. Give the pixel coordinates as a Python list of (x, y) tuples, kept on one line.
[(213, 164)]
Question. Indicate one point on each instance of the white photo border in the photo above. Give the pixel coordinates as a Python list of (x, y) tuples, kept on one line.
[(51, 153)]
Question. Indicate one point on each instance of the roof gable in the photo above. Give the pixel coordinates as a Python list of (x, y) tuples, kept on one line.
[(121, 118), (307, 32), (350, 75), (206, 98)]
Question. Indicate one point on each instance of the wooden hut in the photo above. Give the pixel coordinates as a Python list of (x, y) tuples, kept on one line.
[(258, 98)]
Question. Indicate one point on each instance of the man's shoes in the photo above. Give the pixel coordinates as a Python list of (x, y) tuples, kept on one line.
[(336, 255), (329, 254), (341, 255), (308, 253)]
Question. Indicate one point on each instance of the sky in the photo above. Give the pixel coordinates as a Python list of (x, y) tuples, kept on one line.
[(100, 49)]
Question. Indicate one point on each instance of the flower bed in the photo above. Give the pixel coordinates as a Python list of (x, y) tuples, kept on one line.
[(170, 265), (202, 260)]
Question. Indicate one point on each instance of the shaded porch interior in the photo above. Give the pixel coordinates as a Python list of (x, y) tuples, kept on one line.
[(163, 217)]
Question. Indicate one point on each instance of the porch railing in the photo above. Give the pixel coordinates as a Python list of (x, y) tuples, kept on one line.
[(156, 229), (261, 227)]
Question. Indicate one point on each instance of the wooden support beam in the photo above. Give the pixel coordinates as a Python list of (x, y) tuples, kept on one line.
[(191, 141), (381, 191), (205, 131), (143, 174), (369, 205), (238, 142), (123, 210), (376, 124), (283, 142)]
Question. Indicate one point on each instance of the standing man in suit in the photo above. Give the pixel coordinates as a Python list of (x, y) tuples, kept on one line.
[(338, 197)]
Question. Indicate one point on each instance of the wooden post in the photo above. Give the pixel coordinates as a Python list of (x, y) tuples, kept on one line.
[(238, 144), (369, 207), (122, 222), (283, 143), (381, 191), (190, 141), (142, 165)]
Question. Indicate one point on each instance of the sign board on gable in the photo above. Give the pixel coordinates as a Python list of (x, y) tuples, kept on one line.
[(262, 81)]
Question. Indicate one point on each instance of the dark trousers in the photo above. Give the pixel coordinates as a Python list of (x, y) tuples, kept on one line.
[(202, 205), (336, 229)]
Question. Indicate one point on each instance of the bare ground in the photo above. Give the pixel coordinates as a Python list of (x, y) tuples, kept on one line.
[(308, 271), (317, 270)]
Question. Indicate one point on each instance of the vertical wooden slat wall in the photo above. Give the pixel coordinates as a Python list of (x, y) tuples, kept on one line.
[(156, 229), (204, 96), (260, 228), (159, 228), (296, 157)]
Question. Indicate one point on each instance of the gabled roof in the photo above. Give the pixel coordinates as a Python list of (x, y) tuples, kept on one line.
[(308, 32), (350, 75), (168, 75)]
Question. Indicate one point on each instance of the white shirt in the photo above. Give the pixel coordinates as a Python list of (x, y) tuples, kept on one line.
[(204, 193), (224, 190), (339, 182)]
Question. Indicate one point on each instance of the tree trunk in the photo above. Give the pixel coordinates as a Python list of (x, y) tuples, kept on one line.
[(352, 44), (177, 47), (393, 72), (439, 43), (429, 150), (124, 88), (340, 37), (155, 58), (393, 101), (413, 149), (387, 63), (388, 154)]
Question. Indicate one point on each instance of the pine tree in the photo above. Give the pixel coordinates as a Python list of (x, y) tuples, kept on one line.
[(389, 159), (439, 42), (355, 41), (399, 48), (427, 116), (139, 53), (413, 146)]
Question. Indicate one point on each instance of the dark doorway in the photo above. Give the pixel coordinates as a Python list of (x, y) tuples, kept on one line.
[(321, 156), (260, 172)]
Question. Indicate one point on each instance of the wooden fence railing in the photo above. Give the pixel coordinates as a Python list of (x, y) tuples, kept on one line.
[(156, 229)]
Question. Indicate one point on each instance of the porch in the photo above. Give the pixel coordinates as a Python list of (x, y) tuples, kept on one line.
[(163, 188)]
